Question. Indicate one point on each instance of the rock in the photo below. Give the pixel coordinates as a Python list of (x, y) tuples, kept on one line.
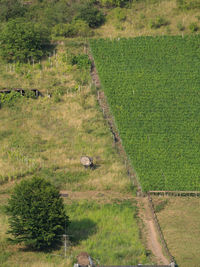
[(86, 161), (83, 259)]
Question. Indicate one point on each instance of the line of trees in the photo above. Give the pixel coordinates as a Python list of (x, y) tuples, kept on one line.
[(26, 28)]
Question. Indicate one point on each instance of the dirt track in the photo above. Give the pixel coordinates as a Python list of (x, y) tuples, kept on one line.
[(151, 235)]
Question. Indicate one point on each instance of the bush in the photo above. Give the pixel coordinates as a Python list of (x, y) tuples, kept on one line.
[(160, 205), (10, 9), (188, 4), (9, 99), (180, 26), (120, 14), (81, 60), (158, 22), (193, 27), (113, 3), (65, 30), (21, 41), (37, 215), (91, 15), (81, 28)]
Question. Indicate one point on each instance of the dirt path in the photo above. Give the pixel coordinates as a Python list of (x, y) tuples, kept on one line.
[(99, 196), (151, 233)]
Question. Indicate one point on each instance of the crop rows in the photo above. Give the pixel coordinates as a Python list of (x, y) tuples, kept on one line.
[(152, 85)]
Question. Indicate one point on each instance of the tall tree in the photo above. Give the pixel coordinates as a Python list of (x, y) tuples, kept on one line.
[(37, 214), (10, 9), (20, 41)]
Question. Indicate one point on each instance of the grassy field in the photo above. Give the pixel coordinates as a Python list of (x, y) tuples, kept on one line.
[(152, 86), (46, 137), (149, 18), (180, 222), (91, 230)]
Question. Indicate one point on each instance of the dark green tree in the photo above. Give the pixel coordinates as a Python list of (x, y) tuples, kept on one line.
[(21, 41), (37, 214), (91, 15), (10, 9), (114, 3)]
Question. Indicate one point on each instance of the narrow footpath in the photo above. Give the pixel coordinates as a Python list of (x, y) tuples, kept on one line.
[(151, 234)]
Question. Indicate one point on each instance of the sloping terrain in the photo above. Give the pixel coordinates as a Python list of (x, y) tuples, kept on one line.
[(152, 86)]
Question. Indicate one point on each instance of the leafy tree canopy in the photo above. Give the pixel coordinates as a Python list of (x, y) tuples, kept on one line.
[(91, 15), (21, 41), (10, 9), (37, 215), (111, 3)]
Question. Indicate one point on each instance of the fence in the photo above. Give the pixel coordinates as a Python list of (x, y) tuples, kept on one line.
[(21, 91), (158, 228), (112, 125), (130, 171), (139, 265), (176, 193)]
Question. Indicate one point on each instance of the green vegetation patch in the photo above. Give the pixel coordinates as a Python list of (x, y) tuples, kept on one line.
[(152, 85), (92, 229)]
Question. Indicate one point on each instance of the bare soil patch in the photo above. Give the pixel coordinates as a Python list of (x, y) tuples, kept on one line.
[(151, 234)]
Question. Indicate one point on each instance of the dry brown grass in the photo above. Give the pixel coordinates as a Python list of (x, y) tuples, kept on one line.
[(46, 138), (139, 17), (57, 134), (180, 223)]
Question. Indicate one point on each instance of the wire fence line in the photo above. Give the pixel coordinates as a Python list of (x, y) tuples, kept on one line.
[(175, 193), (21, 91), (158, 228), (103, 103)]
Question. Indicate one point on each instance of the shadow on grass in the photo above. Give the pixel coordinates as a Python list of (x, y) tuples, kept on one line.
[(81, 229)]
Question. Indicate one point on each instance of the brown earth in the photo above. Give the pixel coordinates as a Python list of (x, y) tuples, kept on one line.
[(151, 234)]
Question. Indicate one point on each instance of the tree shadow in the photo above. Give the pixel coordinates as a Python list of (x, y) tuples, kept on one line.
[(81, 229)]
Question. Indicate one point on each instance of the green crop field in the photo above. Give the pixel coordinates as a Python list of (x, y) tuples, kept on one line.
[(152, 85)]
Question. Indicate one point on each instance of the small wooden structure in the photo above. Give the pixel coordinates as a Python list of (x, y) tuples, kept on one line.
[(87, 161)]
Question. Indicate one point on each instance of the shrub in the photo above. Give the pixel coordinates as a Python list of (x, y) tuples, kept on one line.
[(30, 94), (188, 4), (119, 26), (37, 215), (120, 14), (193, 27), (158, 22), (81, 60), (65, 30), (160, 205), (10, 9), (9, 99), (180, 26), (112, 3), (81, 28), (91, 15), (21, 41)]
